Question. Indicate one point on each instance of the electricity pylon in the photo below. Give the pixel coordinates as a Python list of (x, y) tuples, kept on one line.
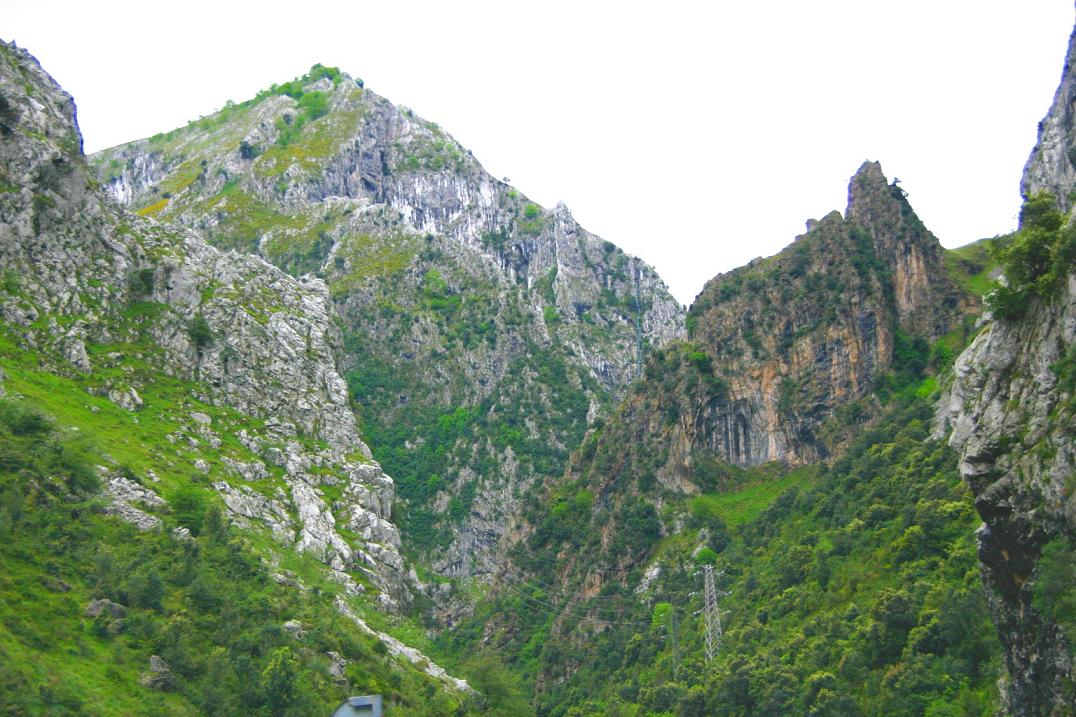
[(713, 614)]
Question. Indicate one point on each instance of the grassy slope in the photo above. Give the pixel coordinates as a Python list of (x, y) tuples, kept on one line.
[(747, 502), (971, 266), (217, 592)]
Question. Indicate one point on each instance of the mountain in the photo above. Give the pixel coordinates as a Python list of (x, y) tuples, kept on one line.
[(798, 335), (787, 442), (154, 387), (866, 441), (781, 348), (482, 333)]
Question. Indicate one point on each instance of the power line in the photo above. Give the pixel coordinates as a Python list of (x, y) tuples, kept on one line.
[(577, 606), (573, 604), (638, 320), (502, 565)]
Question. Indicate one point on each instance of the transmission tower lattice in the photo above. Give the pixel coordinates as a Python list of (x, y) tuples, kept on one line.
[(713, 614)]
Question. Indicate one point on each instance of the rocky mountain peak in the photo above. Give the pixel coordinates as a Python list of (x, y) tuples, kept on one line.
[(1052, 164), (881, 207), (324, 156), (906, 248), (50, 113), (459, 297), (864, 188), (43, 142), (846, 288)]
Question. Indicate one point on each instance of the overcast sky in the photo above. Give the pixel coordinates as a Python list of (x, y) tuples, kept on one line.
[(696, 135)]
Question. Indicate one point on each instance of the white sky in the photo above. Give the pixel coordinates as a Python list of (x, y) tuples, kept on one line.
[(697, 135)]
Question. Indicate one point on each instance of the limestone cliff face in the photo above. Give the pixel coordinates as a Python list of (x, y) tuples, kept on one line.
[(367, 155), (124, 303), (778, 348), (924, 298), (1011, 412), (800, 334), (1052, 164), (456, 293)]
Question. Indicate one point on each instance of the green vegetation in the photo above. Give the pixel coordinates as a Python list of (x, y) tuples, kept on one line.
[(200, 333), (747, 501), (179, 179), (208, 606), (362, 258), (911, 358), (423, 444), (1054, 586), (243, 220), (430, 154), (308, 140), (152, 209), (1035, 260), (311, 106), (297, 242), (853, 590), (497, 240), (970, 266), (301, 251), (533, 222), (235, 111)]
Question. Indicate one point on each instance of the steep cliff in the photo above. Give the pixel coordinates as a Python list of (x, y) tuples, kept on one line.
[(482, 332), (1011, 409), (796, 336), (1052, 164)]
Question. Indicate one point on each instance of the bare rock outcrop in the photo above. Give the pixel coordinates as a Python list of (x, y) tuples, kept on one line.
[(1011, 411)]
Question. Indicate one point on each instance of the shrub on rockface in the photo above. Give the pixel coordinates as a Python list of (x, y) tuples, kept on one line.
[(1054, 588), (200, 332), (1035, 260)]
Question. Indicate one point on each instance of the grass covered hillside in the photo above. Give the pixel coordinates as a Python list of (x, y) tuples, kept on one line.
[(87, 600)]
